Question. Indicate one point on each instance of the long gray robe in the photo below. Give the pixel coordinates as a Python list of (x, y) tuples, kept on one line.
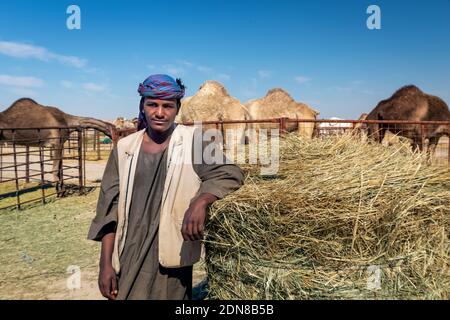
[(141, 276)]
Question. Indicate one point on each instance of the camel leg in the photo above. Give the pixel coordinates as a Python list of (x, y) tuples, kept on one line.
[(432, 143), (374, 133), (382, 134), (417, 144)]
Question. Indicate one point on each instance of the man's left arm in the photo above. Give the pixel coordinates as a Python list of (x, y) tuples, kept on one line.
[(218, 180)]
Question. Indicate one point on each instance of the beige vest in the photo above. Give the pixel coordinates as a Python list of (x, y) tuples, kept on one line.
[(181, 185)]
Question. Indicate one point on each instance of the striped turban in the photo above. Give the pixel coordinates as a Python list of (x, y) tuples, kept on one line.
[(161, 86)]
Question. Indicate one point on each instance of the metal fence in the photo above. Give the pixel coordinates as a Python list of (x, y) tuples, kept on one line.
[(27, 169), (39, 163), (427, 136), (96, 145), (431, 137)]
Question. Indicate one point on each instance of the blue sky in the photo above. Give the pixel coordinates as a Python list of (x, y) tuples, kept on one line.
[(320, 51)]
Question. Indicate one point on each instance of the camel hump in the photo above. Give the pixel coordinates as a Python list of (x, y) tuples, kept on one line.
[(407, 90), (212, 87), (277, 91), (18, 106), (23, 101)]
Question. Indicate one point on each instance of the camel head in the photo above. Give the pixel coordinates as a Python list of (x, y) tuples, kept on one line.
[(91, 123)]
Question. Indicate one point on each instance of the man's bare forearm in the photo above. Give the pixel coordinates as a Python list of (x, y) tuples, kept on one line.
[(206, 199), (107, 249), (107, 279)]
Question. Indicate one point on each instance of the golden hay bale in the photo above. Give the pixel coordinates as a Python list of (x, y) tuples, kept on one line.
[(342, 220)]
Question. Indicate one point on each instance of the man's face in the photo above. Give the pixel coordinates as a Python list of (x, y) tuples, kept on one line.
[(160, 114)]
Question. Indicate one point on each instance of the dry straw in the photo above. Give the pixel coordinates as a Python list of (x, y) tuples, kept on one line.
[(343, 219)]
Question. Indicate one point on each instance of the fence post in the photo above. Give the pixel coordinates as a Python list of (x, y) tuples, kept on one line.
[(222, 131), (61, 168), (80, 162), (282, 127), (97, 140), (84, 147), (41, 161), (217, 129), (1, 162), (94, 140), (27, 164), (15, 171), (448, 150)]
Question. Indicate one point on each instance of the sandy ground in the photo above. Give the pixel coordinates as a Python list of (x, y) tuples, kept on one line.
[(83, 285), (38, 244), (94, 169)]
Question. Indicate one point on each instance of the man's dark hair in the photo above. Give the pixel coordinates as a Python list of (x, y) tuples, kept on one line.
[(182, 86)]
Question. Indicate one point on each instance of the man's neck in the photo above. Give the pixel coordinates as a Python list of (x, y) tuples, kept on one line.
[(160, 137)]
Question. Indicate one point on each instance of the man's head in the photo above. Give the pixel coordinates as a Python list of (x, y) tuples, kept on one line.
[(160, 102)]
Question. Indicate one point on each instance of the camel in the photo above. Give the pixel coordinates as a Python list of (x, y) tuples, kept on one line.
[(334, 128), (389, 139), (213, 103), (122, 123), (27, 113), (278, 104), (410, 103)]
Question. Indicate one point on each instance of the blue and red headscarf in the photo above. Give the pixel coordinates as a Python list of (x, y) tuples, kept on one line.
[(159, 86)]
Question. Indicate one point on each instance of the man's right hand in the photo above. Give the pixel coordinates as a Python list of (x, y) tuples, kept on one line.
[(107, 282)]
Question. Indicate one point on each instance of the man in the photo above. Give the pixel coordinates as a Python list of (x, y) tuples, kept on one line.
[(153, 201)]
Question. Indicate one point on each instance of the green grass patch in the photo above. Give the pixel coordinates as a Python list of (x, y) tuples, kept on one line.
[(37, 246), (27, 192)]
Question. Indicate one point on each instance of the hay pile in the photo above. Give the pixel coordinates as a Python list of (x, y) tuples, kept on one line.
[(342, 220)]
